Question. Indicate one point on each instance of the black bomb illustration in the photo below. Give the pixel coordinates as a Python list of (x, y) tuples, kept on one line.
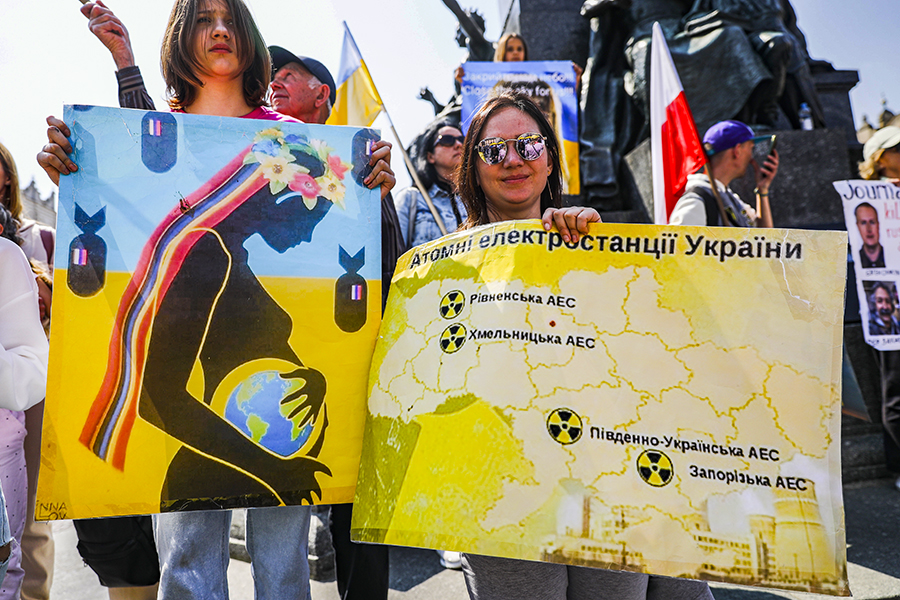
[(159, 141), (564, 425), (655, 468), (350, 292), (87, 255)]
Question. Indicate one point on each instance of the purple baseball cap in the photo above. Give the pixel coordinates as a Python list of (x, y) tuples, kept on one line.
[(728, 134)]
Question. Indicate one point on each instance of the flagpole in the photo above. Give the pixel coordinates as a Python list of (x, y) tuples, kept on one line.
[(406, 159), (412, 171), (676, 150)]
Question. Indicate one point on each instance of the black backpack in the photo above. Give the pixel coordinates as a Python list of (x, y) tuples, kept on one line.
[(713, 217)]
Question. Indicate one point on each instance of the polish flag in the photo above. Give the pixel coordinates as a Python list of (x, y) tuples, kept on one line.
[(675, 146)]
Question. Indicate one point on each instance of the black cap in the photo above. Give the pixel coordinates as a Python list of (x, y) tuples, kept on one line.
[(281, 57)]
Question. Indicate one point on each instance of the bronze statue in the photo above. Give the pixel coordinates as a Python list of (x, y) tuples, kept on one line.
[(736, 59), (771, 28), (428, 96), (718, 68), (470, 34)]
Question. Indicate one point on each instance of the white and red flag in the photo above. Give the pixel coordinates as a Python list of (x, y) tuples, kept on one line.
[(676, 151)]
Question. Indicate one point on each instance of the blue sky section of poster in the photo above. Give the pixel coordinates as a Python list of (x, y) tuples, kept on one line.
[(481, 77), (137, 199)]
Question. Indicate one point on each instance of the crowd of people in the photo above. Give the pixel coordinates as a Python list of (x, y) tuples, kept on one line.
[(505, 167)]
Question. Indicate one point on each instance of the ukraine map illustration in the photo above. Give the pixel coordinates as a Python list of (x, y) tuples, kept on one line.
[(673, 412)]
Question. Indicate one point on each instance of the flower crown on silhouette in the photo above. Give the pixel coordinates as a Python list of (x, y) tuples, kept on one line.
[(272, 149)]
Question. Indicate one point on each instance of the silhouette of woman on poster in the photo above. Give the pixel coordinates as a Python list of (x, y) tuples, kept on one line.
[(201, 350)]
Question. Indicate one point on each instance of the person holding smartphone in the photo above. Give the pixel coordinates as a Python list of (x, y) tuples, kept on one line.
[(729, 145)]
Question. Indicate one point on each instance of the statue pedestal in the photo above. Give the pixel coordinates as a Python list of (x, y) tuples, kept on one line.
[(834, 93), (801, 195)]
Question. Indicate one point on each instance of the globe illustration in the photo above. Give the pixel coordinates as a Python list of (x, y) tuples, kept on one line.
[(254, 407)]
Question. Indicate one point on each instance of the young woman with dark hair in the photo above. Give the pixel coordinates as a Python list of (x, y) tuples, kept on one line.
[(437, 158)]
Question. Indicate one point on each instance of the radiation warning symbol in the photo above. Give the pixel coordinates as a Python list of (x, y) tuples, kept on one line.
[(564, 426), (453, 338), (452, 304), (655, 468)]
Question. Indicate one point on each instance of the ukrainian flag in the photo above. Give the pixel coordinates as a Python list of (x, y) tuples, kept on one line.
[(357, 102)]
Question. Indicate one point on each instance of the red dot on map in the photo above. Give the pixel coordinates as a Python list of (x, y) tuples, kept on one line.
[(552, 323)]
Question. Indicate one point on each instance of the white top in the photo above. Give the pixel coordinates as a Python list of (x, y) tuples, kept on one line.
[(690, 210), (23, 345), (33, 243)]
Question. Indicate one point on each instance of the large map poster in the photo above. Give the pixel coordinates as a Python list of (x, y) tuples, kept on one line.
[(654, 399), (217, 301)]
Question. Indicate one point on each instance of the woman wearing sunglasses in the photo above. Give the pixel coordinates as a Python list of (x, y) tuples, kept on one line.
[(439, 150), (510, 170)]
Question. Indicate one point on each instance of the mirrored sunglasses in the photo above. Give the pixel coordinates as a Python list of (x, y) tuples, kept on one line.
[(530, 146), (449, 140)]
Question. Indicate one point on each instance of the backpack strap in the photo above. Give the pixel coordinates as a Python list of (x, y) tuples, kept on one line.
[(713, 218)]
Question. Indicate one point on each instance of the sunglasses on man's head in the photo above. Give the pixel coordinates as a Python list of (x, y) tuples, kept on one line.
[(449, 140), (530, 146)]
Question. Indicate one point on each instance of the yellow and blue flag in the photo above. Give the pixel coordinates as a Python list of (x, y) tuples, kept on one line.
[(357, 102)]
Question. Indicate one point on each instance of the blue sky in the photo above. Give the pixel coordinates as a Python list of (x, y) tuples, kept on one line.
[(48, 57)]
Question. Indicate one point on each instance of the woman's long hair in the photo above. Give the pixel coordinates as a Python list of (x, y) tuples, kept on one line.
[(180, 66), (500, 53), (9, 226), (869, 169), (11, 198), (424, 145), (466, 177)]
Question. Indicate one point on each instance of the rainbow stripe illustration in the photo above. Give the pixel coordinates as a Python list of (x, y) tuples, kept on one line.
[(111, 418)]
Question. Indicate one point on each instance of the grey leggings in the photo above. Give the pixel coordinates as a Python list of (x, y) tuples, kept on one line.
[(490, 578)]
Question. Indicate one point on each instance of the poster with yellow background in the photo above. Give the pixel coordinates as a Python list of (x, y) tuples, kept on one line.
[(654, 399), (217, 301)]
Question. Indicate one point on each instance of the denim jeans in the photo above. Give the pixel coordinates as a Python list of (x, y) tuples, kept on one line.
[(193, 553)]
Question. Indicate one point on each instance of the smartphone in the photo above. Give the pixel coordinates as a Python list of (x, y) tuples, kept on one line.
[(772, 144)]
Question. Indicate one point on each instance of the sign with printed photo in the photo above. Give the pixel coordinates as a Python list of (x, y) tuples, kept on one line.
[(217, 301), (872, 214), (664, 400)]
